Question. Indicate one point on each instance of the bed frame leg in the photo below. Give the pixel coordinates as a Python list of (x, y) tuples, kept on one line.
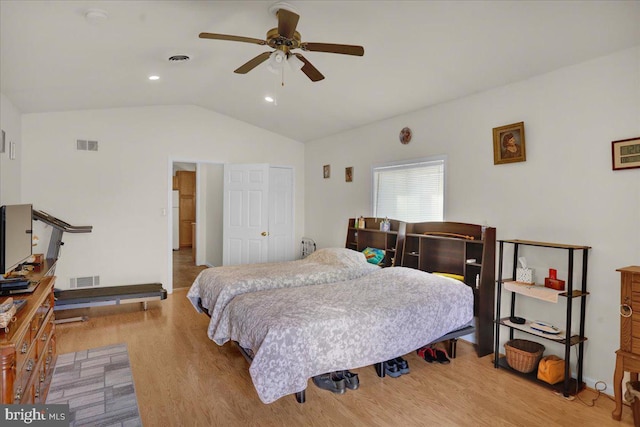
[(145, 305), (301, 396), (452, 347), (379, 369)]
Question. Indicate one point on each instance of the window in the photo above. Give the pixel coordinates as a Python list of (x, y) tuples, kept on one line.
[(410, 191)]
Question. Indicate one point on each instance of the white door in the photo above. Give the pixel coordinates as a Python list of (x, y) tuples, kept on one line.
[(246, 214), (280, 214)]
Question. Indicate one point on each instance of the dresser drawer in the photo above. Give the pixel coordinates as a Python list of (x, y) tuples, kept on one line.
[(44, 335)]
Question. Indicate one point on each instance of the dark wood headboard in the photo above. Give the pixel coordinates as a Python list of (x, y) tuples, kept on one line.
[(466, 250)]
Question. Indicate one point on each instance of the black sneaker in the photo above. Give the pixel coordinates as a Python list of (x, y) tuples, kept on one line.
[(331, 383), (351, 379), (403, 365)]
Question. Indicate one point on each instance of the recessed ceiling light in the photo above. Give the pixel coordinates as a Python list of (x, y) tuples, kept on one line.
[(95, 16), (154, 77), (269, 99)]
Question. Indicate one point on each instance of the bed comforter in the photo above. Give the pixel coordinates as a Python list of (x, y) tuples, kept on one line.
[(297, 333), (216, 287)]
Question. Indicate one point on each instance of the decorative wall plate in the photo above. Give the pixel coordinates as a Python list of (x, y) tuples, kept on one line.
[(405, 135)]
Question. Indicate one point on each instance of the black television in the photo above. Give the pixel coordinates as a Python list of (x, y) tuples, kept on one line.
[(16, 242)]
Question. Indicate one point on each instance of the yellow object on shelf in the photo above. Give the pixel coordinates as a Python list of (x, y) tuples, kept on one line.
[(451, 275)]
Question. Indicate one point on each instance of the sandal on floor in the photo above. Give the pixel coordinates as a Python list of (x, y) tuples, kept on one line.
[(441, 356)]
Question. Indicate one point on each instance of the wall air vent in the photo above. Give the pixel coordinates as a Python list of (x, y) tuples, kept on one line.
[(85, 145), (179, 58), (84, 282)]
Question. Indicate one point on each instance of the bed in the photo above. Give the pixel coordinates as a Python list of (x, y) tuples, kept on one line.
[(215, 287), (293, 334)]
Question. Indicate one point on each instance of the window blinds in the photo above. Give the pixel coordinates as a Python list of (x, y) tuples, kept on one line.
[(410, 192)]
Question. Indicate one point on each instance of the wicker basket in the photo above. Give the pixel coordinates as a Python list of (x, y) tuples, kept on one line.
[(523, 355)]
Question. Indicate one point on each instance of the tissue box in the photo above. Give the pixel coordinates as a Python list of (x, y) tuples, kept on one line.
[(524, 275)]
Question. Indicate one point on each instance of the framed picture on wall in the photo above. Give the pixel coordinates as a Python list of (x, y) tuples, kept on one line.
[(348, 174), (625, 154), (509, 144), (326, 171)]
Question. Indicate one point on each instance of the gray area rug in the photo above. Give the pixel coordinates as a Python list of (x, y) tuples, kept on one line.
[(98, 386)]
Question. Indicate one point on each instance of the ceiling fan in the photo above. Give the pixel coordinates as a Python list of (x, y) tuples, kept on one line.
[(283, 40)]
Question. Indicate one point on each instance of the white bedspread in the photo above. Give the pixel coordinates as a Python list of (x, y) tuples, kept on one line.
[(298, 333), (217, 286)]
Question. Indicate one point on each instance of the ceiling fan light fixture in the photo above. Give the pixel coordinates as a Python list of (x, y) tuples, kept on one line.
[(295, 63), (276, 61)]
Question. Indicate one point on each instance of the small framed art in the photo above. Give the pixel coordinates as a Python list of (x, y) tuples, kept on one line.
[(348, 174), (509, 144), (326, 171), (625, 154)]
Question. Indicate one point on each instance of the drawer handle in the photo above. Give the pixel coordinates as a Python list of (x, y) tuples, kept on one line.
[(18, 394), (44, 336), (41, 377), (625, 310), (29, 365), (24, 348)]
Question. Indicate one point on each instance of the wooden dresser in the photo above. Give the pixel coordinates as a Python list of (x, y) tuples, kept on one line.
[(28, 349), (628, 356)]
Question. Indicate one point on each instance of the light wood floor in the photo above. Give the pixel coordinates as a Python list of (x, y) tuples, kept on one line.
[(182, 378), (184, 269)]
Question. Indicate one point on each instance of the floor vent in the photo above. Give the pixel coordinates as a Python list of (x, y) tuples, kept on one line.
[(84, 282), (86, 145)]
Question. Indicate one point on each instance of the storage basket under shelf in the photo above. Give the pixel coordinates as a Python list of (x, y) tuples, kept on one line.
[(523, 355)]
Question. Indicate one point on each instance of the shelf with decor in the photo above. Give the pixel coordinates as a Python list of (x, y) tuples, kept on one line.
[(564, 337), (371, 236)]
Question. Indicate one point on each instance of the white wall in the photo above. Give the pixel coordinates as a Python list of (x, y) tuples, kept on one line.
[(565, 192), (213, 179), (123, 190), (10, 169)]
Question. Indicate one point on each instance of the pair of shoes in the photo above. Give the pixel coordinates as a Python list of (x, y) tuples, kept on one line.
[(396, 367), (403, 365), (431, 355), (350, 379), (427, 353), (330, 382)]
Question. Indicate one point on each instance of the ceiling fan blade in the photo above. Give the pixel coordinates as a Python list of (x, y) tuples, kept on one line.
[(244, 69), (344, 49), (287, 23), (231, 38), (311, 71)]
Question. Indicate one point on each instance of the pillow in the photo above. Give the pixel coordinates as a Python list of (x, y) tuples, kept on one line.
[(339, 257), (373, 255)]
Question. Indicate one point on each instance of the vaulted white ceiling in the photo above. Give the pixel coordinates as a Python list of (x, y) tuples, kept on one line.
[(417, 54)]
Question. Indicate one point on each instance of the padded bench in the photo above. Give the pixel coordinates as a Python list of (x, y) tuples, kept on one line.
[(108, 295)]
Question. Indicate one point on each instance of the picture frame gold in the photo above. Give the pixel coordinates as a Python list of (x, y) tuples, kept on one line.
[(625, 154), (326, 171), (348, 174), (509, 144)]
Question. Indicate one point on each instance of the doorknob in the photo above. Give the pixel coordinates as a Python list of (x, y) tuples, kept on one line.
[(264, 233)]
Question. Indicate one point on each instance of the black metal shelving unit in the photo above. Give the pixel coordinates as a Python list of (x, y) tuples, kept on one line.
[(570, 385)]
